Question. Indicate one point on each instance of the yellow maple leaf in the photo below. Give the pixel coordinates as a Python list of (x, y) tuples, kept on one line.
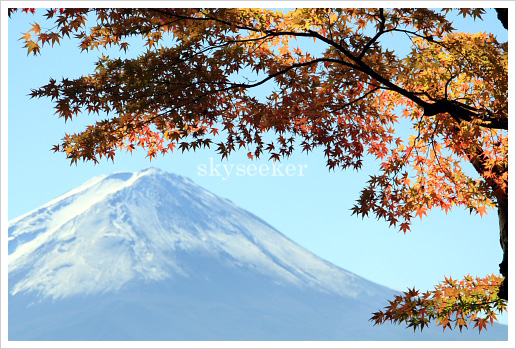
[(283, 50), (35, 28)]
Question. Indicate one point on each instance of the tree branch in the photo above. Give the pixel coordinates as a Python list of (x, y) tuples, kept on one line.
[(373, 40), (457, 110)]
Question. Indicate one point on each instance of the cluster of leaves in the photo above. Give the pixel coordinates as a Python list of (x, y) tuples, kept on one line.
[(457, 68), (192, 88), (472, 300)]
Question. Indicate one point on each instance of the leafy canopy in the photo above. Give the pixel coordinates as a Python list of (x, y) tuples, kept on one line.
[(193, 87)]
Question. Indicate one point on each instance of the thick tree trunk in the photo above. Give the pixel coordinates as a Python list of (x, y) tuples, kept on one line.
[(503, 212), (503, 16)]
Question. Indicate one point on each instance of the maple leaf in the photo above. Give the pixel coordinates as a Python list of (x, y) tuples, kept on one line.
[(283, 50), (481, 211), (404, 227), (421, 211), (32, 47), (26, 36), (35, 28)]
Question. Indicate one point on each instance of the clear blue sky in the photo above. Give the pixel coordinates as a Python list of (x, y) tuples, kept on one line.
[(313, 210)]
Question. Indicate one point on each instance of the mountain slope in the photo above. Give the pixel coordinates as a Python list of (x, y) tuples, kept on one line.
[(152, 256)]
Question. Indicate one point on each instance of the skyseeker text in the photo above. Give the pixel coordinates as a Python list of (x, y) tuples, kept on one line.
[(227, 170)]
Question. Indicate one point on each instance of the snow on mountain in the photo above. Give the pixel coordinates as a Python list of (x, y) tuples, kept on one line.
[(154, 241), (117, 228)]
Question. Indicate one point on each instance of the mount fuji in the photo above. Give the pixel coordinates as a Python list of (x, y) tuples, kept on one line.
[(153, 256)]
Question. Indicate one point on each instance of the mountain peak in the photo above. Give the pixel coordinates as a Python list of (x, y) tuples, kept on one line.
[(127, 176), (122, 227), (151, 171)]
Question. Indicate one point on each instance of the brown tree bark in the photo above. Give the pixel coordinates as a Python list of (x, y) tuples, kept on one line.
[(503, 207), (503, 215), (503, 16)]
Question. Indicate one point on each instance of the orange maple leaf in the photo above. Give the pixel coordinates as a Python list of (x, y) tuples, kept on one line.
[(481, 211)]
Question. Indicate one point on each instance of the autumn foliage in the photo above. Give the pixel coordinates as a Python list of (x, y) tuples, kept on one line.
[(452, 304), (193, 87)]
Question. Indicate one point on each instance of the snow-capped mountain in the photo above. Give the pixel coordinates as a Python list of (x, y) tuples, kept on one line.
[(153, 256)]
